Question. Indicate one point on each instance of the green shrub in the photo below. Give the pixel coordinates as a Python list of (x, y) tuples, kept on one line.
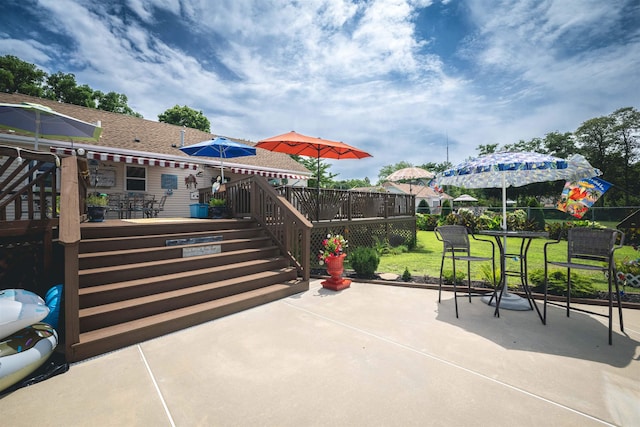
[(446, 208), (560, 230), (382, 246), (489, 221), (426, 222), (516, 220), (364, 261), (406, 276), (487, 273), (581, 286), (447, 276)]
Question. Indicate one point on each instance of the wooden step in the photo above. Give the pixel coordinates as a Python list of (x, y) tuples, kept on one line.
[(113, 292), (124, 334), (104, 244), (140, 255), (123, 311), (122, 229), (121, 273)]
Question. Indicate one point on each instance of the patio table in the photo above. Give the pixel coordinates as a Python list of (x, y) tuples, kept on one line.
[(505, 299)]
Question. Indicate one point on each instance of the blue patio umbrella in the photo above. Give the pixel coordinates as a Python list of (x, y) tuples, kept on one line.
[(219, 147)]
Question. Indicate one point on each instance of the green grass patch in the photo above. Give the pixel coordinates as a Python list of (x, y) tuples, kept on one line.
[(424, 260)]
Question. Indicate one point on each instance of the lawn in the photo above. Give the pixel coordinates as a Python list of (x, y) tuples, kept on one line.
[(425, 259)]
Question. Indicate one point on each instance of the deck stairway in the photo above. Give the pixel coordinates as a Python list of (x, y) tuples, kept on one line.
[(140, 281)]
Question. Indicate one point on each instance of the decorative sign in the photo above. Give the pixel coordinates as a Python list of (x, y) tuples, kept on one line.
[(578, 197), (104, 177), (193, 240), (169, 182), (200, 250)]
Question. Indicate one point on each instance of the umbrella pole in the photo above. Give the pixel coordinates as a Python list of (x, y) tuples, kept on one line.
[(318, 189), (35, 144), (507, 301)]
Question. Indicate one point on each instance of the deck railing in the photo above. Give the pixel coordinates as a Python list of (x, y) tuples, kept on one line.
[(254, 197), (27, 184), (345, 205)]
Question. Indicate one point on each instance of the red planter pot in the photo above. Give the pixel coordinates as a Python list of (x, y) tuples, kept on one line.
[(335, 268)]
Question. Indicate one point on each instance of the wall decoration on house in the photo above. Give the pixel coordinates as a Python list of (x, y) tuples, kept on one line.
[(104, 177), (169, 182), (190, 180)]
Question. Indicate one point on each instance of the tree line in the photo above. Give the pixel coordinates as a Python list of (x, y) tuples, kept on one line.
[(610, 143), (18, 76)]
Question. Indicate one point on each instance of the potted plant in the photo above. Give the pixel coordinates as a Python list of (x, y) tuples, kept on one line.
[(96, 206), (217, 208), (332, 254)]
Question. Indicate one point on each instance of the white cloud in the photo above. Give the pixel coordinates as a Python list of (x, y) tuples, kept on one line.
[(353, 71)]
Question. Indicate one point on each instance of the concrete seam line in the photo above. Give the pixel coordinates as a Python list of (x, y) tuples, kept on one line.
[(155, 384)]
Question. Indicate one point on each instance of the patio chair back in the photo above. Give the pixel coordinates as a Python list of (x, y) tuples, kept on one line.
[(588, 249), (160, 207), (457, 247), (593, 244)]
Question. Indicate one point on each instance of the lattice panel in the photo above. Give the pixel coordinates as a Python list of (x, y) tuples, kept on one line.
[(363, 234), (20, 264)]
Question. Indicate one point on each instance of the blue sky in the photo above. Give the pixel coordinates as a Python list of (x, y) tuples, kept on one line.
[(397, 78)]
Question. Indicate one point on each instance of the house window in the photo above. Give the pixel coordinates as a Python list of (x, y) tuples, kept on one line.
[(136, 178)]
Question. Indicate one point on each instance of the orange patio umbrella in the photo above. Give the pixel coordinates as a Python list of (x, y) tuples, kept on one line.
[(302, 145), (297, 144)]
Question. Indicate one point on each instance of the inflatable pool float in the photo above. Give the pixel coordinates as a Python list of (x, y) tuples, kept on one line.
[(24, 352), (18, 309), (53, 300)]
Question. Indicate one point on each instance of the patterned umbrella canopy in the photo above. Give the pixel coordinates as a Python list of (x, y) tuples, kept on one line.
[(43, 122), (515, 170), (509, 169), (410, 173)]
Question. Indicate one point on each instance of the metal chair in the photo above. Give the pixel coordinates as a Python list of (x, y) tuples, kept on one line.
[(160, 207), (116, 205), (588, 249), (457, 247)]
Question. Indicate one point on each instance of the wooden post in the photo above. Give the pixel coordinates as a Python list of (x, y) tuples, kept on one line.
[(70, 239)]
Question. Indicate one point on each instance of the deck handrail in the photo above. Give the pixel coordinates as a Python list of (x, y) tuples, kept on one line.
[(27, 176), (290, 230), (347, 205)]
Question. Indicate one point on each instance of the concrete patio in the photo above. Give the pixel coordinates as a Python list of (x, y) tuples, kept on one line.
[(368, 355)]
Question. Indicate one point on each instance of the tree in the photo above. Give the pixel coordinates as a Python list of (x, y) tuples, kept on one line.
[(21, 77), (185, 116), (389, 169), (596, 139), (626, 128), (534, 145), (486, 149), (436, 167), (311, 163), (347, 184), (62, 87), (560, 144), (115, 102)]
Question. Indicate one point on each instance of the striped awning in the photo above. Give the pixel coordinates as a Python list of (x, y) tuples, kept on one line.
[(267, 174), (134, 160)]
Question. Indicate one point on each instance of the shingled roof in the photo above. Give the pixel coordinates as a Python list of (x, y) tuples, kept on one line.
[(155, 139)]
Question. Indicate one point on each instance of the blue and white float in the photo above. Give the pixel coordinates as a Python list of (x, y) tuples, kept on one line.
[(24, 352), (20, 308)]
